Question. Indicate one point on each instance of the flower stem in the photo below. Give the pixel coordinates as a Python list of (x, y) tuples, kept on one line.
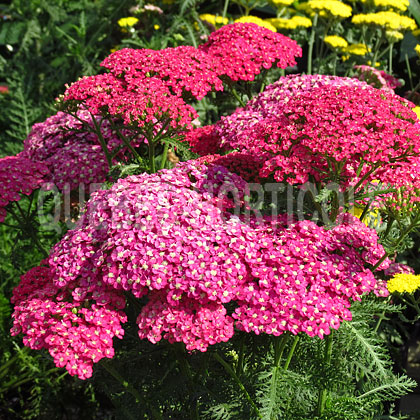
[(291, 351), (311, 44), (322, 398), (225, 8), (232, 373), (236, 95), (164, 156), (139, 398)]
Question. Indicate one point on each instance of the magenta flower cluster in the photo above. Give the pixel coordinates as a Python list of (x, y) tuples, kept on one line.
[(244, 49), (76, 324), (146, 87), (19, 175), (170, 237), (323, 128), (73, 154), (377, 78)]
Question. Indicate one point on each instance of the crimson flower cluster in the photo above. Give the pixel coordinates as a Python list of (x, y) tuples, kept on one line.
[(244, 49), (19, 175), (323, 127)]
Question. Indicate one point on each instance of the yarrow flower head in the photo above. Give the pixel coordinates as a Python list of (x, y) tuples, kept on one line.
[(332, 9), (304, 121), (336, 42), (387, 20), (182, 69), (73, 155), (290, 24), (377, 78), (404, 283), (244, 49), (148, 103), (258, 21), (76, 324), (19, 175)]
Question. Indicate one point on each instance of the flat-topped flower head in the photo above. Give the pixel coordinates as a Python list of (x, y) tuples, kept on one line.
[(182, 69), (147, 103), (387, 20), (71, 152), (75, 324), (244, 49), (404, 283), (19, 175), (309, 123)]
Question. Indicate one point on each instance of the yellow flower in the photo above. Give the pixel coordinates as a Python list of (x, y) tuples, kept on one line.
[(329, 8), (387, 20), (290, 24), (127, 22), (257, 21), (372, 217), (156, 27), (214, 20), (416, 32), (404, 283), (281, 3), (400, 5), (357, 49), (417, 111), (394, 36), (417, 49), (335, 41)]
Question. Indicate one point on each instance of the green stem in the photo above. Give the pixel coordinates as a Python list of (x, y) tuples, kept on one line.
[(279, 346), (26, 227), (417, 87), (311, 44), (164, 156), (152, 157), (232, 373), (410, 76), (236, 95), (322, 398), (391, 50), (291, 351), (102, 141), (139, 398), (225, 8)]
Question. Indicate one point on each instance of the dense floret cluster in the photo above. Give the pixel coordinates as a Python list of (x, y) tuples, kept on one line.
[(244, 49), (323, 127), (182, 69), (146, 103), (73, 154), (19, 175), (377, 78), (76, 324)]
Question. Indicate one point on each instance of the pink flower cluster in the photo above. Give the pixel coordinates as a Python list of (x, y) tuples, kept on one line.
[(19, 175), (305, 277), (244, 49), (73, 155), (76, 324), (144, 104), (377, 78), (169, 236), (323, 127), (182, 69)]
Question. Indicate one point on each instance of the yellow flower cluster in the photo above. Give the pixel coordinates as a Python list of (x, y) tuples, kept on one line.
[(281, 3), (258, 21), (417, 49), (394, 36), (336, 42), (372, 217), (127, 22), (289, 24), (214, 20), (387, 20), (357, 49), (400, 5), (404, 283), (417, 111), (328, 8)]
